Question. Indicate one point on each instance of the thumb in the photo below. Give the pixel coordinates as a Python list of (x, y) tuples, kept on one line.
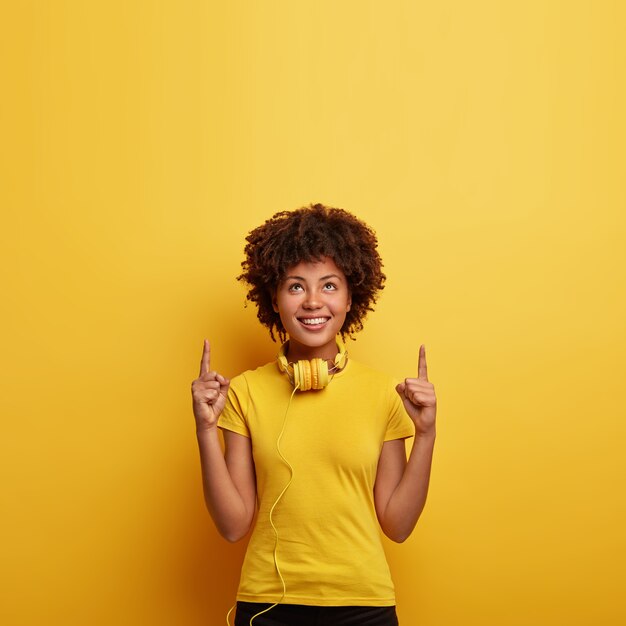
[(224, 384), (400, 389)]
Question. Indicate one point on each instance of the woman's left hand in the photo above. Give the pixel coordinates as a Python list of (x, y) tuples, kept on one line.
[(418, 397)]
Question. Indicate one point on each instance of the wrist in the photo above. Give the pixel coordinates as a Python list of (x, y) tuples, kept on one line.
[(427, 436), (203, 432)]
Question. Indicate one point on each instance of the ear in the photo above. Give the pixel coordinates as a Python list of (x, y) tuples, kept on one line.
[(274, 305), (349, 301)]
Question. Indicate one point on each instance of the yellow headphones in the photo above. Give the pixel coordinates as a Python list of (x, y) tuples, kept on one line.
[(314, 374)]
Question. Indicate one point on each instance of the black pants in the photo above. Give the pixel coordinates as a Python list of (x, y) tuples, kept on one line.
[(303, 615)]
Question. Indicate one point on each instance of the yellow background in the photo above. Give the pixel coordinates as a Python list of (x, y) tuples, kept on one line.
[(141, 141)]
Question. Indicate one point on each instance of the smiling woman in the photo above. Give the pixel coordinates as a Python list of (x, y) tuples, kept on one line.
[(321, 457), (311, 234), (312, 302)]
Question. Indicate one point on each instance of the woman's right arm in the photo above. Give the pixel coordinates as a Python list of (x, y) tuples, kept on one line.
[(228, 480)]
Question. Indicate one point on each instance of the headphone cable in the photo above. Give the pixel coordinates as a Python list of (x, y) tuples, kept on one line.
[(282, 456)]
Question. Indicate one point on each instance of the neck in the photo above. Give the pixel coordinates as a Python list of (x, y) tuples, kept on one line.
[(297, 352), (297, 355)]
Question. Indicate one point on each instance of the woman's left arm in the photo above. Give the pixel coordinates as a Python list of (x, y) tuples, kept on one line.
[(401, 487)]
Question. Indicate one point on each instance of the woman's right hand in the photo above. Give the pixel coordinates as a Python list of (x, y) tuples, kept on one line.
[(208, 392)]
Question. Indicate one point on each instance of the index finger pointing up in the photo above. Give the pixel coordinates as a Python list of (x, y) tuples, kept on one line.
[(422, 372), (205, 362)]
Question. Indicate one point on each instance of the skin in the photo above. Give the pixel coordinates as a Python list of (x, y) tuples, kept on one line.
[(228, 479), (313, 290), (401, 487)]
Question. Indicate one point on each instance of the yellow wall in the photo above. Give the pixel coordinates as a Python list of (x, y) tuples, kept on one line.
[(141, 141)]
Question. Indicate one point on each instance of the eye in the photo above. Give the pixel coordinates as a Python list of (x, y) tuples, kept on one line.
[(330, 287), (295, 287)]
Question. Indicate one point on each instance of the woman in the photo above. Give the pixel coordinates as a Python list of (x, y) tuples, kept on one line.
[(315, 439)]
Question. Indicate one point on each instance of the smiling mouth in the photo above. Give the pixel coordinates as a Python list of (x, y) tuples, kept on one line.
[(313, 321)]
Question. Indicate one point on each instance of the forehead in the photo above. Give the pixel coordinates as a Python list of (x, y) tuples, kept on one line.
[(314, 270)]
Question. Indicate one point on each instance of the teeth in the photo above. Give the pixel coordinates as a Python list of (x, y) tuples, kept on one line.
[(314, 320)]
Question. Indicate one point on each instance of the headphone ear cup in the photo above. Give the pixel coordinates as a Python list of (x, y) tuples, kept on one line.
[(302, 375), (315, 377), (306, 368), (313, 374), (297, 375), (322, 373)]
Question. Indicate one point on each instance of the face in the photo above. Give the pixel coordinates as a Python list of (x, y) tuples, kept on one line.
[(312, 302)]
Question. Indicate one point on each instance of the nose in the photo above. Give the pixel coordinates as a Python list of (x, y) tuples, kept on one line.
[(312, 300)]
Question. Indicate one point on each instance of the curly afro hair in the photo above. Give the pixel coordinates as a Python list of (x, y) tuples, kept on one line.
[(304, 235)]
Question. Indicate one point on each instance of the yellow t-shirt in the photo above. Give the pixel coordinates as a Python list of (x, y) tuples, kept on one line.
[(329, 541)]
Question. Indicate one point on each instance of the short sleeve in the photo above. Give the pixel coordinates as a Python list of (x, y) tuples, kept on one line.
[(399, 424), (233, 416)]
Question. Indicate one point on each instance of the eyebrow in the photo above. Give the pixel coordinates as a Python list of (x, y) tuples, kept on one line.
[(322, 278)]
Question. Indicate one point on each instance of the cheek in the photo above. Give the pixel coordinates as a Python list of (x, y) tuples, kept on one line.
[(284, 306)]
